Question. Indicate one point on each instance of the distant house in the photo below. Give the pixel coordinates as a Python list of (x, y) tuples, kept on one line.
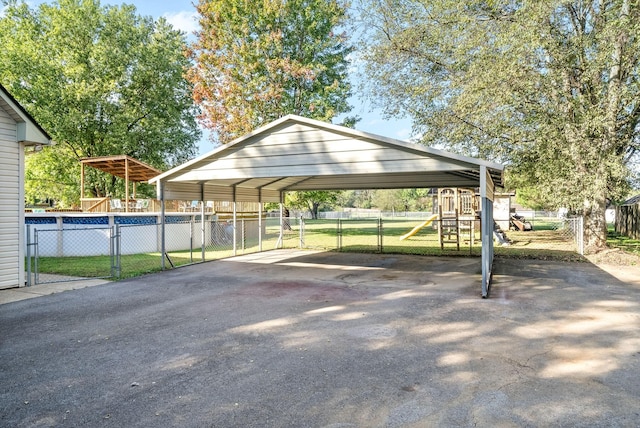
[(18, 130)]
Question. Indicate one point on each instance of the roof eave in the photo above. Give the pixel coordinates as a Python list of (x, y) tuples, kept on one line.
[(29, 131)]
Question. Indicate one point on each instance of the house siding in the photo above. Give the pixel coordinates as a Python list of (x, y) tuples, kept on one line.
[(11, 263)]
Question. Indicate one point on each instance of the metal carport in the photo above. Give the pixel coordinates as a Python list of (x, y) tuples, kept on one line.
[(296, 153)]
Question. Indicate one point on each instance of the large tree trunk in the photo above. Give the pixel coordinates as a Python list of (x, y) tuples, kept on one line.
[(313, 209), (595, 222)]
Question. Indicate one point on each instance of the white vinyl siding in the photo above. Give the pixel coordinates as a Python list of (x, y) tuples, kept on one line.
[(10, 194)]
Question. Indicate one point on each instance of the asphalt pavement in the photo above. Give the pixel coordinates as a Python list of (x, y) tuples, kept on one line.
[(315, 339)]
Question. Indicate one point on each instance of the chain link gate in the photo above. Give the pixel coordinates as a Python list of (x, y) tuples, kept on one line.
[(61, 255)]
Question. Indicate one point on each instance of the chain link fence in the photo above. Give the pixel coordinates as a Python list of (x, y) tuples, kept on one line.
[(398, 235), (126, 250), (547, 237)]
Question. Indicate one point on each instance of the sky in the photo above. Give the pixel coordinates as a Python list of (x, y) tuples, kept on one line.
[(182, 15)]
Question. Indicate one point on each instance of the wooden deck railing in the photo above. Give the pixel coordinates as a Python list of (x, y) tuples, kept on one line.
[(95, 205), (103, 205)]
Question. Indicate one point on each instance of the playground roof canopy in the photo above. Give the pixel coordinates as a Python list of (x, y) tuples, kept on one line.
[(296, 153)]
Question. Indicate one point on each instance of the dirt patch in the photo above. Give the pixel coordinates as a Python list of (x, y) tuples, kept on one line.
[(615, 257), (619, 264)]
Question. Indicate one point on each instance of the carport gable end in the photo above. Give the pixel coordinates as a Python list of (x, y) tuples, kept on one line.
[(296, 153)]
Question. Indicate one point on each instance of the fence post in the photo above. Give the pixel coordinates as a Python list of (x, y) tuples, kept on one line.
[(380, 232), (118, 251), (36, 276), (112, 250), (472, 235), (191, 239), (242, 235), (115, 250), (203, 236), (301, 226), (339, 234), (28, 255), (581, 235)]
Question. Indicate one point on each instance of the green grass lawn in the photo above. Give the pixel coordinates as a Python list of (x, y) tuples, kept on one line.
[(89, 266), (100, 266), (615, 240)]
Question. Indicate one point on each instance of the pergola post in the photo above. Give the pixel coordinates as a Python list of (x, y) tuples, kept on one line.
[(126, 184), (81, 182)]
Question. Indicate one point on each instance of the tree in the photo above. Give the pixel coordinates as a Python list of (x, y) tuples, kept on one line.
[(258, 61), (52, 175), (549, 87), (418, 199), (388, 199), (355, 198), (101, 81), (312, 200)]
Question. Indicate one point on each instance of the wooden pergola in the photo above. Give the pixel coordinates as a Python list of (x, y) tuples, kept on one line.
[(122, 166)]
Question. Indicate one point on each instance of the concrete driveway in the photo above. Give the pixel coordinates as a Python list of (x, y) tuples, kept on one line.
[(306, 339)]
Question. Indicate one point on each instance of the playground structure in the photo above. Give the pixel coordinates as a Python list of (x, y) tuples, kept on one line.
[(457, 215)]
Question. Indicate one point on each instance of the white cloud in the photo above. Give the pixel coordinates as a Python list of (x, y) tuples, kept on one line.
[(186, 21)]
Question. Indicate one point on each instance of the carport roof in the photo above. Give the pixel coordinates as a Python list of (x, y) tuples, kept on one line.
[(296, 153)]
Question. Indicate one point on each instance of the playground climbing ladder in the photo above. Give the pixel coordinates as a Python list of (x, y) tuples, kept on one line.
[(449, 230)]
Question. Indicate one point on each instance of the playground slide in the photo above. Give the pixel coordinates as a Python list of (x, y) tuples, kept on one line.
[(418, 227)]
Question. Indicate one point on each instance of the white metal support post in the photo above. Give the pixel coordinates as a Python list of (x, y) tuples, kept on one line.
[(486, 197), (202, 223), (235, 223), (162, 225), (260, 220)]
